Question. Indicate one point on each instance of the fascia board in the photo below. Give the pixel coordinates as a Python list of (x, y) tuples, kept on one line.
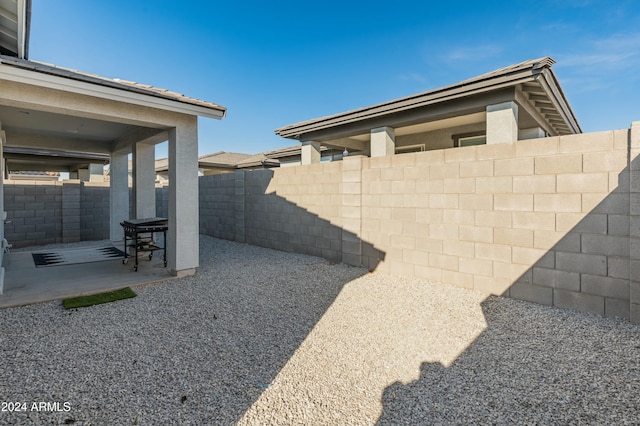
[(22, 28), (550, 86), (48, 81)]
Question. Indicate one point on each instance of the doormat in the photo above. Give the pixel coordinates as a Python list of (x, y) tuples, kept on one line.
[(75, 256)]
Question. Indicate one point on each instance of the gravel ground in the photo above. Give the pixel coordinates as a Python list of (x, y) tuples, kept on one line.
[(265, 337)]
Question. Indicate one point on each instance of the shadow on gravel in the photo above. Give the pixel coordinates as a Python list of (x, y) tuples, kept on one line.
[(258, 319), (200, 350), (558, 367)]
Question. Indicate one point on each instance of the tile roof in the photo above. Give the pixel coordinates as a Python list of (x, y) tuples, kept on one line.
[(224, 158), (509, 76), (115, 83)]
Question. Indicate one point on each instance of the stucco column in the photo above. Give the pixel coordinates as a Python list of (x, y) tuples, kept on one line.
[(96, 172), (502, 123), (383, 142), (144, 178), (310, 153), (118, 193), (183, 234)]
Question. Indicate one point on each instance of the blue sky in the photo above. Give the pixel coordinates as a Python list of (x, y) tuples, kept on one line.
[(277, 63)]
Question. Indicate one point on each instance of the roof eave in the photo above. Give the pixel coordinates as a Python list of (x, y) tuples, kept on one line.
[(557, 96), (107, 90), (510, 76)]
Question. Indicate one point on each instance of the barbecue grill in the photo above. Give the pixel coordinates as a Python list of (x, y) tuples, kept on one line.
[(139, 238)]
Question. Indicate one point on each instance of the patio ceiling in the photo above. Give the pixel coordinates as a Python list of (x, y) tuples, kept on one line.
[(40, 140)]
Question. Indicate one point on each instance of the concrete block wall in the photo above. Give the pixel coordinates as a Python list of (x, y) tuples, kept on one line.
[(296, 209), (45, 212), (217, 200), (162, 200), (34, 212), (542, 220), (71, 211), (554, 221), (94, 211)]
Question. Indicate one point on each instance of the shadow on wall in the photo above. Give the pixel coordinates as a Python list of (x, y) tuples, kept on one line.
[(532, 365), (240, 207), (537, 364), (293, 298), (586, 257)]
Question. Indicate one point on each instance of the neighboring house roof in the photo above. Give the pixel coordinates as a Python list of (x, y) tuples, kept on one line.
[(535, 78), (15, 27), (204, 108), (236, 160), (223, 159), (258, 160)]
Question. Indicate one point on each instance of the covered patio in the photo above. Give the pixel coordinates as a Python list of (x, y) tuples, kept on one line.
[(27, 284), (44, 108)]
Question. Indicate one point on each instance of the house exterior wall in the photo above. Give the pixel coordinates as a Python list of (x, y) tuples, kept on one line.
[(544, 220), (438, 139)]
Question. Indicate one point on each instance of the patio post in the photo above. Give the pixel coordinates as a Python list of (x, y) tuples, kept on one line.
[(118, 193), (310, 152), (502, 123), (183, 233), (383, 142), (144, 177)]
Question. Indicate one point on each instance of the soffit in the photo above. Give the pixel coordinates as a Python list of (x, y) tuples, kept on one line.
[(20, 120)]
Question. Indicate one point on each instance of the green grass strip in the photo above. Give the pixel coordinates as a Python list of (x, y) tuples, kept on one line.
[(96, 299)]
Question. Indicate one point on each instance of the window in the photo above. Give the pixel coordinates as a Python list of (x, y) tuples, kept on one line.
[(469, 139), (410, 148), (472, 140)]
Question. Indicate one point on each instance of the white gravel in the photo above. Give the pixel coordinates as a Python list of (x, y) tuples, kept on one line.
[(265, 337)]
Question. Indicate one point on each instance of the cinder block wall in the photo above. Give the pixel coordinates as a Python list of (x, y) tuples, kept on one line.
[(552, 221), (291, 209), (34, 212), (94, 211), (217, 205), (162, 200), (295, 209), (542, 220), (44, 212)]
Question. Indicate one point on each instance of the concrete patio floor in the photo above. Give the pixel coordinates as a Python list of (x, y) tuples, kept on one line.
[(25, 284)]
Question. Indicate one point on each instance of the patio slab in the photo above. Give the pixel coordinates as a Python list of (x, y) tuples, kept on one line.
[(25, 284)]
